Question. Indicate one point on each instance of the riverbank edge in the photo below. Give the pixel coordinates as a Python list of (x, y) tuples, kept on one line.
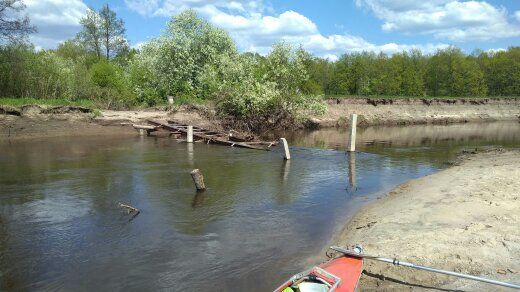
[(30, 121), (364, 225), (37, 121), (410, 111)]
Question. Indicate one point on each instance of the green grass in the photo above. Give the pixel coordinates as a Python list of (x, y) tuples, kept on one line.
[(45, 102), (339, 96)]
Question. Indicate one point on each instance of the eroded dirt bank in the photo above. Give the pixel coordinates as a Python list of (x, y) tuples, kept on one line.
[(417, 111), (38, 121), (464, 219)]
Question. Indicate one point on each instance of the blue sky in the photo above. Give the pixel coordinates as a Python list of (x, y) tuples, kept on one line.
[(326, 28)]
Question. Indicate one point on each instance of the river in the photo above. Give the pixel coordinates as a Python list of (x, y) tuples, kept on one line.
[(261, 219)]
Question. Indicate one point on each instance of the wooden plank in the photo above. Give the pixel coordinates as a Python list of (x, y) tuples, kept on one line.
[(209, 138), (144, 127)]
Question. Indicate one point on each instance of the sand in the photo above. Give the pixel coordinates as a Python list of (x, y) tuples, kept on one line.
[(46, 122), (465, 218), (417, 111)]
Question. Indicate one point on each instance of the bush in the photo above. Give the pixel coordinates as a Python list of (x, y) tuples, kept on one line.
[(258, 102), (104, 75)]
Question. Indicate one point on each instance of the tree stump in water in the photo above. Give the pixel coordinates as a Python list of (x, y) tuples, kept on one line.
[(198, 179)]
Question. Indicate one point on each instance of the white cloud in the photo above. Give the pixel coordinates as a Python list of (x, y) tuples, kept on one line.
[(452, 20), (143, 7), (494, 51), (517, 15), (255, 27), (55, 20)]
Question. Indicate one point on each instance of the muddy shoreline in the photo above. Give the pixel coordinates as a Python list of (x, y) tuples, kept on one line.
[(464, 218)]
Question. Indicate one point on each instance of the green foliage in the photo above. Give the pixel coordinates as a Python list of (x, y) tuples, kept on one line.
[(501, 71), (448, 72), (174, 63), (66, 73), (271, 100), (104, 74)]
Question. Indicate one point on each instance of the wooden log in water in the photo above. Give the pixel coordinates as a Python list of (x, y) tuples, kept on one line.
[(144, 127), (129, 208), (198, 179)]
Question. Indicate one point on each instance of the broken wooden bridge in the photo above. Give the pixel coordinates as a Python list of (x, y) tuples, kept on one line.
[(201, 134)]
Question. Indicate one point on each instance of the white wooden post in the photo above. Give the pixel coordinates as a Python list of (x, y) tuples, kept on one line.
[(352, 141), (287, 155), (189, 135)]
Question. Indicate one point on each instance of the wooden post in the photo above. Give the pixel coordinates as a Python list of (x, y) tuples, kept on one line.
[(141, 132), (198, 179), (189, 134), (287, 154), (352, 141)]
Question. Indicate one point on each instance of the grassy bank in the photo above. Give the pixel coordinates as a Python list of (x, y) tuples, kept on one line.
[(16, 102)]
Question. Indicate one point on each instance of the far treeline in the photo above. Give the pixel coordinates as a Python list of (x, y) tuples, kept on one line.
[(193, 61)]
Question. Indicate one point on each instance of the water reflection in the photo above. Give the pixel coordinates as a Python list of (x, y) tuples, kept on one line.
[(190, 153), (257, 222), (286, 167), (503, 133), (198, 200), (352, 169)]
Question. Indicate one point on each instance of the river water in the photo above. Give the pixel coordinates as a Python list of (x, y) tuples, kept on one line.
[(261, 219)]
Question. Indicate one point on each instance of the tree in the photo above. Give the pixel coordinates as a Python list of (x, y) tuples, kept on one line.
[(176, 61), (12, 28), (103, 33), (113, 32), (468, 78), (90, 35), (451, 73)]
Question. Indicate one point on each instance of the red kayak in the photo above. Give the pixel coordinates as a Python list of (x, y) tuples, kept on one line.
[(341, 275)]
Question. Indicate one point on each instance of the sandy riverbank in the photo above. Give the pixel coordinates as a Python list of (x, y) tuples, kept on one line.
[(417, 111), (38, 121), (465, 218)]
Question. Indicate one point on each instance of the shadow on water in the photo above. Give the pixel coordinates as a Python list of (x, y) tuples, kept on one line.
[(257, 223)]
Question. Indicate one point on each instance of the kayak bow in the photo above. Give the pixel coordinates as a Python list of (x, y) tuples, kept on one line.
[(340, 274)]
